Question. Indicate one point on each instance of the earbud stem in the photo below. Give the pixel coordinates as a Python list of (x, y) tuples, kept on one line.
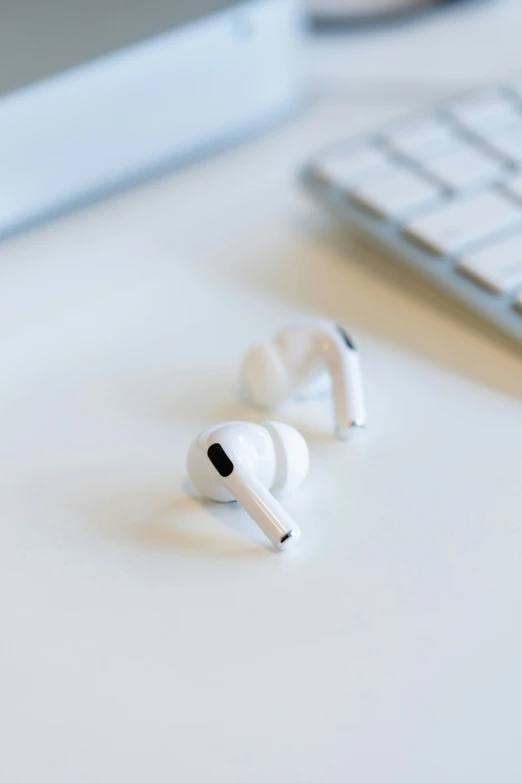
[(348, 393), (260, 504)]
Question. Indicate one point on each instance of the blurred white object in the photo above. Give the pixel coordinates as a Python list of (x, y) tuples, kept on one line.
[(364, 8), (221, 70)]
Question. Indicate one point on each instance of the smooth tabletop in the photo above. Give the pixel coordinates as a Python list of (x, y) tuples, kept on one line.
[(147, 636)]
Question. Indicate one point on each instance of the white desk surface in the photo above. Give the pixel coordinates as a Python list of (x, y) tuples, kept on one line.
[(148, 637)]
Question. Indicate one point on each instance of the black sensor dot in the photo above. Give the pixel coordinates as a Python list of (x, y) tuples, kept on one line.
[(345, 337), (219, 459)]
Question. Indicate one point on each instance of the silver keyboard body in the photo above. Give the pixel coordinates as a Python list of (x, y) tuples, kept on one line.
[(442, 191)]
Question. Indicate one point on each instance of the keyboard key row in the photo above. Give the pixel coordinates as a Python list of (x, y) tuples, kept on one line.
[(509, 144), (422, 139), (465, 167), (485, 113), (460, 223), (345, 168), (401, 193), (498, 267)]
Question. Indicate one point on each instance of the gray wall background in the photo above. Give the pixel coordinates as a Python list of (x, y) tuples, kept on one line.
[(39, 38)]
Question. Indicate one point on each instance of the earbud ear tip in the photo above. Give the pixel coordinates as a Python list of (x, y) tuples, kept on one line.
[(292, 456), (263, 377)]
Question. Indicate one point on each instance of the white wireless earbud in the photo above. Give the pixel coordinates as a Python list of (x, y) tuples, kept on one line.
[(299, 361), (241, 461)]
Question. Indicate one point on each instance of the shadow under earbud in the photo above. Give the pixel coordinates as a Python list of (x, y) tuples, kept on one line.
[(180, 525)]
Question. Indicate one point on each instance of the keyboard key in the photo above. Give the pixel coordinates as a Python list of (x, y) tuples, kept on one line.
[(462, 222), (509, 144), (464, 168), (346, 168), (486, 113), (397, 195), (422, 139), (514, 187), (498, 267)]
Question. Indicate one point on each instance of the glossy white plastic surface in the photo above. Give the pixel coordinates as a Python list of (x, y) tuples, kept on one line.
[(295, 364), (262, 457)]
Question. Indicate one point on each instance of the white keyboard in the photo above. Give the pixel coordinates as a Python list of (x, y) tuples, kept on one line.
[(443, 192)]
